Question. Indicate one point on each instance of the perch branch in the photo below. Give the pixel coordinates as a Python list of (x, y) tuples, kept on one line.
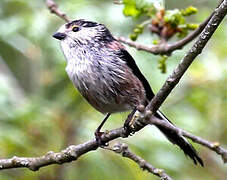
[(73, 152), (69, 154), (214, 146), (123, 149)]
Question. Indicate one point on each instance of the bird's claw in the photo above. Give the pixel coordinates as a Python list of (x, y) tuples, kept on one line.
[(98, 138), (130, 122)]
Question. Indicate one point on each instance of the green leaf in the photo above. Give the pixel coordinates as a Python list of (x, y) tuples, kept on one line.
[(162, 63), (155, 42), (133, 36), (136, 8), (130, 8), (189, 11), (174, 17), (192, 26)]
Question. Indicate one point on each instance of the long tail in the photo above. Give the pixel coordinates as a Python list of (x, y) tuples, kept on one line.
[(179, 140)]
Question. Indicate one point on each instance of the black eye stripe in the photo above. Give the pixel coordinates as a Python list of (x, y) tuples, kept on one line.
[(89, 24), (82, 23)]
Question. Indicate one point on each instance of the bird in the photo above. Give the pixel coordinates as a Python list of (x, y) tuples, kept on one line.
[(107, 76)]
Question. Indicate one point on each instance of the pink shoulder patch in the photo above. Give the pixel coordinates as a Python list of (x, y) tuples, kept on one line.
[(115, 45)]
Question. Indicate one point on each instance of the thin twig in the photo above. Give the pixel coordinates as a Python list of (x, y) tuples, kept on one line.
[(167, 48), (154, 49), (190, 56), (123, 149), (52, 6), (214, 146)]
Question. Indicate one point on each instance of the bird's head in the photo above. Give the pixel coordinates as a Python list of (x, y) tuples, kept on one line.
[(81, 32)]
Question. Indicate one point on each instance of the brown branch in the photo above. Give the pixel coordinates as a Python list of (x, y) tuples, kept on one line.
[(179, 71), (190, 56), (52, 6), (214, 146), (123, 149), (69, 154), (167, 48), (73, 152)]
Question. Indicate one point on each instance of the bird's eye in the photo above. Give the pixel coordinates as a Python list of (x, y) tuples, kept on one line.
[(75, 28)]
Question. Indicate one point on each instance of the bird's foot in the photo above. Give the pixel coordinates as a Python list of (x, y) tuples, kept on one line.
[(98, 133), (131, 121), (98, 138), (128, 125)]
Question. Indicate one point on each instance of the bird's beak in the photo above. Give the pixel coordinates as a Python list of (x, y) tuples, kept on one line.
[(59, 36)]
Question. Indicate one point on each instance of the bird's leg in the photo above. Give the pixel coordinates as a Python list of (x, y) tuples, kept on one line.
[(98, 133), (129, 121)]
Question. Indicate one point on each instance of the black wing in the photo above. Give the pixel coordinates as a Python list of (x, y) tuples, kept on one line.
[(131, 63)]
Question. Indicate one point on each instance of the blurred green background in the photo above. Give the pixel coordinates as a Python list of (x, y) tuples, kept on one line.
[(40, 110)]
